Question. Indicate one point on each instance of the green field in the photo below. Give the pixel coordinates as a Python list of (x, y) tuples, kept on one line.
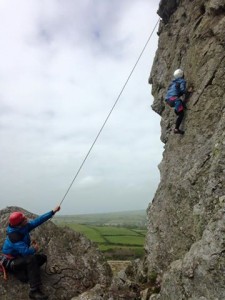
[(116, 242)]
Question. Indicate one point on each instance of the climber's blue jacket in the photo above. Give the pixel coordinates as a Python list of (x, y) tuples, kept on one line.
[(23, 246), (176, 89)]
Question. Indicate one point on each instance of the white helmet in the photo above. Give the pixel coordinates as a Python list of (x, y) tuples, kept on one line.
[(178, 73)]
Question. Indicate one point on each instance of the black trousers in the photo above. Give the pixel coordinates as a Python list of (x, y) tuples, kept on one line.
[(27, 269), (180, 116)]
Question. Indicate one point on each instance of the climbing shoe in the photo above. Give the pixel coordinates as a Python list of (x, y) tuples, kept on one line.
[(178, 131), (37, 295)]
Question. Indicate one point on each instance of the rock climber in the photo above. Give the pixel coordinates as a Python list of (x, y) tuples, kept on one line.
[(176, 89), (21, 255)]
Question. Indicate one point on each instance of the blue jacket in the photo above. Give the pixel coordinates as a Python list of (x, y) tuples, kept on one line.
[(22, 248), (176, 88)]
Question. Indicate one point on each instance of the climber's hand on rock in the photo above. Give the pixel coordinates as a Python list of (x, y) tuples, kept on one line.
[(191, 89)]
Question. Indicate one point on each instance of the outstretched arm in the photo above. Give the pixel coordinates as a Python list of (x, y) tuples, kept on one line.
[(43, 218)]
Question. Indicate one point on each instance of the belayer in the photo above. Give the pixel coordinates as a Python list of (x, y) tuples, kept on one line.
[(20, 254), (176, 90)]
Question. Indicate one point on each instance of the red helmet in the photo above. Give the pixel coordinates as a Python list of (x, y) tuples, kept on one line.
[(16, 218)]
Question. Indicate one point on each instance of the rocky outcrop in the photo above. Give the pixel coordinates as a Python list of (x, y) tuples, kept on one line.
[(200, 273), (74, 265), (126, 284), (186, 222)]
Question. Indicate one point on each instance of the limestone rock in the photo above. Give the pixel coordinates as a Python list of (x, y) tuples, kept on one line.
[(124, 286), (186, 211), (74, 263), (167, 8), (200, 273)]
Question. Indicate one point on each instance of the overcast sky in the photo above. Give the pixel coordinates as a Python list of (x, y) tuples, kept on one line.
[(62, 66)]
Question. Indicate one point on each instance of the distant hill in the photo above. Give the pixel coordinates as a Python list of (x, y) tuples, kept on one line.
[(137, 218)]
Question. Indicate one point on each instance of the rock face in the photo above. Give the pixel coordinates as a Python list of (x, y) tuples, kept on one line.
[(186, 219), (74, 265)]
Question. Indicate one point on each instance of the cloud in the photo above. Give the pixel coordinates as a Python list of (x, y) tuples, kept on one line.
[(63, 66), (87, 182)]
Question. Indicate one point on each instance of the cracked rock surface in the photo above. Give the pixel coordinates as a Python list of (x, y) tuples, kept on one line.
[(185, 239)]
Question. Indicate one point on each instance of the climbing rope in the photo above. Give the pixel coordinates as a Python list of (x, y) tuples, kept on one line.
[(95, 140)]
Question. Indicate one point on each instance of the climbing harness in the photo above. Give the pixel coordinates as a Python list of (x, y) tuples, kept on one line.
[(104, 123), (2, 268), (5, 261)]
